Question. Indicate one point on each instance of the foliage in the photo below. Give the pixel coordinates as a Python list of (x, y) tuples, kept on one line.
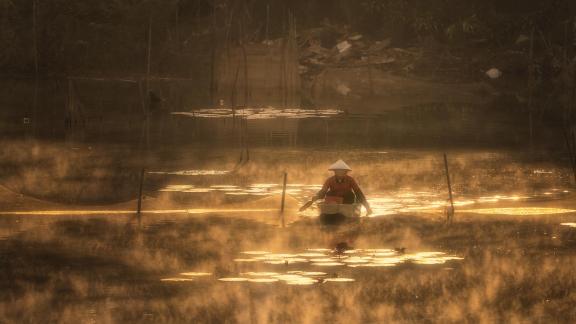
[(111, 35)]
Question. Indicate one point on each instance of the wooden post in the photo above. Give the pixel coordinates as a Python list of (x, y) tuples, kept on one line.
[(570, 139), (140, 191), (283, 198), (451, 212)]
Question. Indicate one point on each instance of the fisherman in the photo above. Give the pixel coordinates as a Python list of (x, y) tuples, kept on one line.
[(340, 189)]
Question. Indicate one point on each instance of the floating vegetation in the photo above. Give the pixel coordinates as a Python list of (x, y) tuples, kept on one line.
[(260, 113), (311, 254), (256, 252), (301, 282), (192, 172), (319, 250), (246, 260), (176, 279), (196, 274), (357, 260), (237, 279), (263, 280), (286, 261), (299, 278), (323, 259), (339, 280), (328, 264), (260, 274), (351, 258), (177, 188), (309, 273)]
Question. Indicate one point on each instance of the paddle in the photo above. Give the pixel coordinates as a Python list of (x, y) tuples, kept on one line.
[(306, 205)]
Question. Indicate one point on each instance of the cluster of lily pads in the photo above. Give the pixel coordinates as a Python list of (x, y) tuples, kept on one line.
[(260, 113)]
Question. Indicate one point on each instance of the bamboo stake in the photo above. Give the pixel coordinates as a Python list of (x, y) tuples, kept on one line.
[(450, 214), (570, 145), (283, 198), (573, 150)]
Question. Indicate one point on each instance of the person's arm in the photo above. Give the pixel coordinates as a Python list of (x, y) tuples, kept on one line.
[(317, 196), (361, 197), (322, 193)]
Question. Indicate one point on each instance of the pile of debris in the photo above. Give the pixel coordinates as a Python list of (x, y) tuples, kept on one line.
[(335, 46)]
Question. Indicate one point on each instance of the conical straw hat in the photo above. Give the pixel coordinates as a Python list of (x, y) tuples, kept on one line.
[(339, 165)]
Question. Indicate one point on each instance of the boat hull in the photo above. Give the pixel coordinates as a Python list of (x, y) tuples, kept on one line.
[(333, 214)]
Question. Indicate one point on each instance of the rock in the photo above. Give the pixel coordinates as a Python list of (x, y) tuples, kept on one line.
[(319, 50), (379, 45), (522, 39), (494, 73), (343, 46), (383, 59), (343, 89)]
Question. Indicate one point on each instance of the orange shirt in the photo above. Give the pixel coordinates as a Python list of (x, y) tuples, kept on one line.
[(340, 187)]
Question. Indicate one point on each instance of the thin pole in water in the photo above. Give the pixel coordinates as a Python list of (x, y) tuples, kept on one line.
[(283, 198), (140, 191), (450, 213)]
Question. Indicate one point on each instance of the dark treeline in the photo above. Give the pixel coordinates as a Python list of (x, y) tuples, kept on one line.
[(111, 36)]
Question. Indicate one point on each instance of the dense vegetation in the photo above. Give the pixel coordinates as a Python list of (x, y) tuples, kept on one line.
[(111, 36)]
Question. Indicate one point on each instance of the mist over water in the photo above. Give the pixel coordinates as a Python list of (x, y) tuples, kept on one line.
[(209, 245)]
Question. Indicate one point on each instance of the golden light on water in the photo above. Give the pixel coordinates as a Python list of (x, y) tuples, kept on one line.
[(519, 211), (349, 259), (124, 212), (196, 274), (339, 280), (233, 279), (176, 279), (263, 280), (298, 278), (328, 264)]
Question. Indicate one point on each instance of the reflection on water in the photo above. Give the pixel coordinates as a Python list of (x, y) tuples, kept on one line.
[(299, 278), (261, 113), (233, 279), (176, 279), (330, 259), (338, 280), (192, 172), (129, 212), (519, 211), (382, 203), (310, 261), (196, 274)]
